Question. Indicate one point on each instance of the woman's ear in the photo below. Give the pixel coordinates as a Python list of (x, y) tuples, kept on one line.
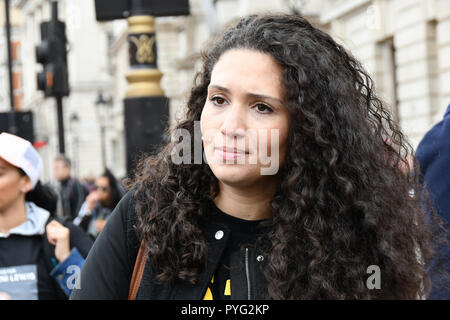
[(27, 185)]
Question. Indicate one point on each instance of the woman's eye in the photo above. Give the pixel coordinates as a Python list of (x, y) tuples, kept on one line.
[(262, 108), (218, 101)]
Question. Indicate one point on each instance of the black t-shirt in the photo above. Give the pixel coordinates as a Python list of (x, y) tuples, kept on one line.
[(243, 232), (73, 195), (23, 256)]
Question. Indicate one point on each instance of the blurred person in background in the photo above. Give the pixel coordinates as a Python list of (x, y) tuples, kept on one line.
[(99, 204), (433, 155), (89, 182), (38, 255), (44, 196), (71, 192)]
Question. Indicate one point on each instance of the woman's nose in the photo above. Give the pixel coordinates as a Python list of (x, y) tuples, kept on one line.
[(234, 121)]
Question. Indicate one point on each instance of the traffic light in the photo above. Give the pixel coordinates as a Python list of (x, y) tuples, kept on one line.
[(52, 54)]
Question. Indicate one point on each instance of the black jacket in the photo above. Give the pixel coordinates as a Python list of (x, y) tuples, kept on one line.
[(72, 194), (433, 154), (107, 271)]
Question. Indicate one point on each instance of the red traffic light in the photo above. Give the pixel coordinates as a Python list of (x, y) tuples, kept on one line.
[(49, 79)]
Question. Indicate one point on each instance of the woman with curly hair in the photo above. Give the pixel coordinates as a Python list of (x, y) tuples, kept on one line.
[(336, 210)]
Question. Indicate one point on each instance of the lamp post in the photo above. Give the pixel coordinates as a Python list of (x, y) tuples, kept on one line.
[(296, 6), (102, 106), (146, 108), (74, 122)]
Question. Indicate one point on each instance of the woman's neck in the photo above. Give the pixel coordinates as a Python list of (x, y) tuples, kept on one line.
[(13, 216), (249, 203)]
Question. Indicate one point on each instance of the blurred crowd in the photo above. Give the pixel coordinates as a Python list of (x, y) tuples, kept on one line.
[(86, 202)]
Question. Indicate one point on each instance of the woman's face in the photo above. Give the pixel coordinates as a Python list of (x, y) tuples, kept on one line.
[(245, 122), (13, 185), (103, 189)]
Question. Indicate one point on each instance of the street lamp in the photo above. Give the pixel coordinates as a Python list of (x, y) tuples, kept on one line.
[(74, 120), (102, 105), (296, 6)]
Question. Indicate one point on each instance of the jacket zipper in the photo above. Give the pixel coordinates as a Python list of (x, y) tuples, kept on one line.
[(247, 272)]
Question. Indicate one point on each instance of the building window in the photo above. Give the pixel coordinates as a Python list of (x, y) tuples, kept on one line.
[(386, 75), (432, 67), (115, 153)]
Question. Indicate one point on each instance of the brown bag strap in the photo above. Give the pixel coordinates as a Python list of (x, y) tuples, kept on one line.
[(138, 271)]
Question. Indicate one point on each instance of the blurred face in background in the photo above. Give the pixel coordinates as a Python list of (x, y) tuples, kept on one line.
[(60, 170), (103, 190), (13, 185)]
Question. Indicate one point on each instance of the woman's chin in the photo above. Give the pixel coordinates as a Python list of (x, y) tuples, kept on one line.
[(234, 174)]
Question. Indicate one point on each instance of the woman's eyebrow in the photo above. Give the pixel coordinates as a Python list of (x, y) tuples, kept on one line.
[(249, 94), (215, 86), (262, 96)]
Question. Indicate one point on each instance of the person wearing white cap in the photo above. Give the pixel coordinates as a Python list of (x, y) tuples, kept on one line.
[(34, 252)]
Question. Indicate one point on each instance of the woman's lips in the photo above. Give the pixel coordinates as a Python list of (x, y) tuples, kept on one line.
[(230, 153)]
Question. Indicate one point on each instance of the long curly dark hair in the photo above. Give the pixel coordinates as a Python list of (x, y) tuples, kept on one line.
[(344, 201)]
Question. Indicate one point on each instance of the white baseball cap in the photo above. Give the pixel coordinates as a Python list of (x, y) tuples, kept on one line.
[(20, 153)]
